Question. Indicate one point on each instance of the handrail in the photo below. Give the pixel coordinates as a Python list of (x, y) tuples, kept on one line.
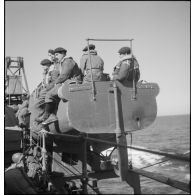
[(110, 39), (157, 177), (176, 157), (131, 47)]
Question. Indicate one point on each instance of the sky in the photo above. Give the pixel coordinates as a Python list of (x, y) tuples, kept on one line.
[(161, 33)]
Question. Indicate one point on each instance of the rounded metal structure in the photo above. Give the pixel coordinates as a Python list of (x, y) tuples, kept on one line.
[(81, 112), (78, 112)]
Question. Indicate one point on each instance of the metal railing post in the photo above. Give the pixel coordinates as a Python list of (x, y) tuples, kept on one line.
[(134, 86), (43, 151), (120, 138), (84, 163)]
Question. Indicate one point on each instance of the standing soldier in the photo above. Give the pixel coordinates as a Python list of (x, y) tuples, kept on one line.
[(23, 112), (97, 65), (127, 69), (68, 69)]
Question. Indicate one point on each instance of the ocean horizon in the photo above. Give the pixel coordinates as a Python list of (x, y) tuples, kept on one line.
[(167, 134)]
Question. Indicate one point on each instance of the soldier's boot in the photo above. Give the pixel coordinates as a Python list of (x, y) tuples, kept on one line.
[(48, 111), (52, 118)]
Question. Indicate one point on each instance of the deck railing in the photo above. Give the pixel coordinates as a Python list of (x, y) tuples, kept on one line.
[(132, 172)]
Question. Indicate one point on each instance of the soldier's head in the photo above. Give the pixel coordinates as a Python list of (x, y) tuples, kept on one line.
[(25, 97), (16, 157), (60, 53), (51, 54), (46, 63), (124, 51), (91, 47)]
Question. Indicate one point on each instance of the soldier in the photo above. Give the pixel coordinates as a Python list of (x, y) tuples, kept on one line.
[(47, 68), (68, 69), (127, 69), (53, 72), (97, 65), (50, 74), (51, 55), (23, 112)]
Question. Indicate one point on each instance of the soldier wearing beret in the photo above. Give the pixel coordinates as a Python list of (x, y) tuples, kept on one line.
[(54, 69), (51, 55), (127, 69), (68, 69), (46, 69), (50, 74), (97, 64)]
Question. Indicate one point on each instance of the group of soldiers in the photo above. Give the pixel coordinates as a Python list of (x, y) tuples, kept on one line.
[(59, 68)]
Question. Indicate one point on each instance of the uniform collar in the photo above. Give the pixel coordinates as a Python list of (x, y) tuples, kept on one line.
[(126, 57), (65, 57), (93, 52)]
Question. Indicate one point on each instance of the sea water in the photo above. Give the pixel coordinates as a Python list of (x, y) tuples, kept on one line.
[(167, 134)]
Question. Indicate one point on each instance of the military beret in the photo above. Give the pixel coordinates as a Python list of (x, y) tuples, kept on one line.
[(51, 51), (46, 62), (91, 47), (124, 50), (60, 50)]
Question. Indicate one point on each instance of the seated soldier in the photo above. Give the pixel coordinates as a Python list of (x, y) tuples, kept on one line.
[(68, 69), (16, 180), (97, 65), (127, 69), (50, 74)]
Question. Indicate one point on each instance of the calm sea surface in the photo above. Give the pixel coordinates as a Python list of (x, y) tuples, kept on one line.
[(168, 134)]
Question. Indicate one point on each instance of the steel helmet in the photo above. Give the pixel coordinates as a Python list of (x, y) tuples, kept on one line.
[(17, 157)]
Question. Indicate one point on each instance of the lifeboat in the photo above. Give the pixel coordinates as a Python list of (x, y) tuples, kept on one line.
[(78, 109), (91, 109)]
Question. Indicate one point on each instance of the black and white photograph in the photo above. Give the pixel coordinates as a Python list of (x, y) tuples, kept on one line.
[(97, 97)]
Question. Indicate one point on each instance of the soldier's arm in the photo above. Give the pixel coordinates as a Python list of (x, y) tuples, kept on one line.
[(24, 104), (136, 65), (123, 72), (67, 67), (102, 64), (83, 64), (136, 70)]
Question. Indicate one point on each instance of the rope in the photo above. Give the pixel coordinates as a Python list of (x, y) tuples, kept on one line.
[(131, 143), (178, 157)]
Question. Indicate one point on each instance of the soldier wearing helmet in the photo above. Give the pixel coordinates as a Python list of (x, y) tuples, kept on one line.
[(16, 157), (127, 69), (17, 161)]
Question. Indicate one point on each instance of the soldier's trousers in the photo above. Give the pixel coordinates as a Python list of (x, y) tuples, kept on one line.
[(52, 95), (42, 95)]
